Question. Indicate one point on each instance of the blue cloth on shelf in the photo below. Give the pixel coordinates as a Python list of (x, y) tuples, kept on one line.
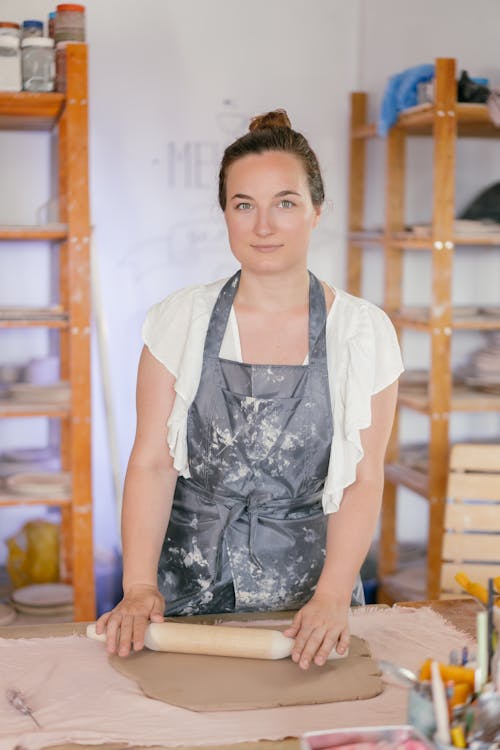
[(401, 93)]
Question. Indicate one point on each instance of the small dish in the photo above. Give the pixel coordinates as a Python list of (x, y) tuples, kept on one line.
[(40, 484), (43, 595)]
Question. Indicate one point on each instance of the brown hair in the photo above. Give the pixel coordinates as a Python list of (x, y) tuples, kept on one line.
[(272, 131)]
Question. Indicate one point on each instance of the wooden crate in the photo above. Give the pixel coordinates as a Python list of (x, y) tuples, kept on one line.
[(471, 538)]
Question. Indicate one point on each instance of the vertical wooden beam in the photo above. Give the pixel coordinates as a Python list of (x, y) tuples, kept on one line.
[(393, 270), (64, 354), (75, 344), (357, 159), (394, 217), (440, 385)]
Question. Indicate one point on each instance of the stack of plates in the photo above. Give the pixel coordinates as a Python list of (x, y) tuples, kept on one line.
[(40, 484), (28, 393), (29, 460), (44, 600)]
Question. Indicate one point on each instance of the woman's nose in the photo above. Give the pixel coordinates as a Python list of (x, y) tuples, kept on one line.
[(263, 223)]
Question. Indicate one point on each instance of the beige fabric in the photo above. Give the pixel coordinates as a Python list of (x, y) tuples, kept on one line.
[(78, 697), (220, 683)]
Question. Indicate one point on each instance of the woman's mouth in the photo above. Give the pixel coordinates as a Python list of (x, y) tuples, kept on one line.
[(266, 248)]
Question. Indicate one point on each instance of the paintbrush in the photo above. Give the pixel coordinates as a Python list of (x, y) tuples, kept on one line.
[(18, 701), (491, 595)]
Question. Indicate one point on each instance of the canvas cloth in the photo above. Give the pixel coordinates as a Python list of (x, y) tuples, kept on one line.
[(78, 697)]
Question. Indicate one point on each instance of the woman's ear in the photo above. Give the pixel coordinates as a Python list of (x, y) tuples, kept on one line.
[(317, 216)]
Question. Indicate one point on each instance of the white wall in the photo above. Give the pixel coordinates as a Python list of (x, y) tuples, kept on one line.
[(171, 83)]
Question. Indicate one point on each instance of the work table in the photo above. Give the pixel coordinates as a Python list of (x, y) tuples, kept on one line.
[(460, 613)]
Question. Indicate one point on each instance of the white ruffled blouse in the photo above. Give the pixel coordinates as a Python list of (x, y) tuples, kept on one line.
[(363, 357)]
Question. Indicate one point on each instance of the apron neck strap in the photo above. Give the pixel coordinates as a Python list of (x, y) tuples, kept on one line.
[(317, 321), (220, 316), (222, 309)]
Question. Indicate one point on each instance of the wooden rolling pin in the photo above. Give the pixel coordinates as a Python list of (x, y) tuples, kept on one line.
[(215, 640)]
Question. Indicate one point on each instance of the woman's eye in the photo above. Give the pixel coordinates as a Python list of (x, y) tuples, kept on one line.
[(243, 206), (286, 203)]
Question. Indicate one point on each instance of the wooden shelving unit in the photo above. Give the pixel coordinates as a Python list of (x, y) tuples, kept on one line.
[(444, 121), (66, 115)]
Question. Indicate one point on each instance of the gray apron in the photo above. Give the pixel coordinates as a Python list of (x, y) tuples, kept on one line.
[(247, 530)]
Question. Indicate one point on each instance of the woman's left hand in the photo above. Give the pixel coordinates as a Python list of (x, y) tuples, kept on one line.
[(319, 627)]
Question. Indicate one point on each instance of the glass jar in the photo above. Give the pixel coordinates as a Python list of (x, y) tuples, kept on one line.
[(38, 64), (32, 28), (10, 29), (70, 23), (10, 63), (61, 66), (51, 24)]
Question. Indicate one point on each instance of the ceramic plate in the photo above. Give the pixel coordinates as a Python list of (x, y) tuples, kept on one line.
[(40, 484), (43, 595), (64, 610)]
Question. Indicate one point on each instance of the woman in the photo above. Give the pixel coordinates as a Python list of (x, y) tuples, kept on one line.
[(278, 393)]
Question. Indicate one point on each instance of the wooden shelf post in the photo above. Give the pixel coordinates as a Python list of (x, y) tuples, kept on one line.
[(77, 553), (445, 133), (394, 222), (357, 159)]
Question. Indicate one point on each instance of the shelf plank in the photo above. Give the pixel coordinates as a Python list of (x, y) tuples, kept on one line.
[(412, 479), (366, 237), (421, 322), (473, 121), (411, 241), (487, 239), (463, 400), (33, 322), (23, 233), (29, 317), (25, 110), (9, 498), (10, 409)]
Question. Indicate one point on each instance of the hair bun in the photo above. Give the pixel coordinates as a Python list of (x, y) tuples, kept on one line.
[(278, 118)]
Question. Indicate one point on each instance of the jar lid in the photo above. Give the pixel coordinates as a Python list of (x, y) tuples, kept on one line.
[(33, 24), (37, 41), (71, 6), (9, 41), (9, 25), (52, 14)]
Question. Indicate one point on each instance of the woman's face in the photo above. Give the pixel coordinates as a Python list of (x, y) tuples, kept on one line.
[(269, 212)]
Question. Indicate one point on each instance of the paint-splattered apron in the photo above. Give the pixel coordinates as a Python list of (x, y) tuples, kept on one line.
[(247, 530)]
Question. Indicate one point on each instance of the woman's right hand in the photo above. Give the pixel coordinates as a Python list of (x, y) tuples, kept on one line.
[(126, 624)]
